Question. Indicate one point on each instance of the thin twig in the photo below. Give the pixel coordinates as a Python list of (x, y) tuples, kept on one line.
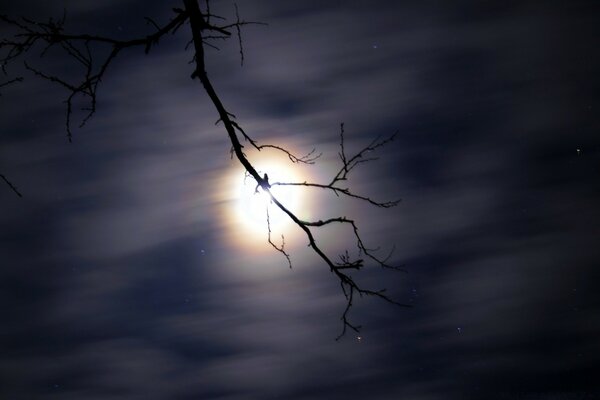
[(281, 248), (10, 185)]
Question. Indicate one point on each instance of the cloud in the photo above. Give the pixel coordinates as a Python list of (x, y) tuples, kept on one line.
[(122, 280)]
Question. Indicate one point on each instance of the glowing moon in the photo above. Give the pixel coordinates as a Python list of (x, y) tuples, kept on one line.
[(244, 208), (252, 202)]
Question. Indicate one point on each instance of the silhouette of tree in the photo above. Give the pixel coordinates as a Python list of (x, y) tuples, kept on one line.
[(96, 53)]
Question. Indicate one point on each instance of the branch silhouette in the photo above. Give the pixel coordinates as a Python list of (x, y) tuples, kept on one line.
[(11, 186), (38, 37)]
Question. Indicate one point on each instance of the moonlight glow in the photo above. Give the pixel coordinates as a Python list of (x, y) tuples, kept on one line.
[(252, 202)]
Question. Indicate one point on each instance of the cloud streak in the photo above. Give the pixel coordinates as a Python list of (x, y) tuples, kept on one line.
[(119, 279)]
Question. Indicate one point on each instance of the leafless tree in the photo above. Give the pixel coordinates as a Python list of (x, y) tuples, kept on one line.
[(96, 53)]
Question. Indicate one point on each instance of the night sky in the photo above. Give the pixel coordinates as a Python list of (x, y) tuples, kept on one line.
[(129, 271)]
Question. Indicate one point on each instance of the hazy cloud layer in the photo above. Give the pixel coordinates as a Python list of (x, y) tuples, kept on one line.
[(118, 277)]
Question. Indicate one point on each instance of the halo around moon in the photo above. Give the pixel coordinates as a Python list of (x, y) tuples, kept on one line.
[(247, 207)]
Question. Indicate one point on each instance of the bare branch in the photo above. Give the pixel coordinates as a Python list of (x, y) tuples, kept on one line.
[(338, 191), (308, 158), (358, 158), (281, 248), (42, 37), (46, 35), (11, 186), (239, 34), (11, 81), (152, 22), (347, 165), (199, 25)]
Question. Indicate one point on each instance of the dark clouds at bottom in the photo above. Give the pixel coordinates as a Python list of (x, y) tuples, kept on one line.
[(117, 280)]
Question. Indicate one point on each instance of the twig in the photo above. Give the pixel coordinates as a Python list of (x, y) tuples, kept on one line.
[(10, 185), (281, 248)]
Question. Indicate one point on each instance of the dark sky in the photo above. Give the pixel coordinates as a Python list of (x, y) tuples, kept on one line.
[(126, 273)]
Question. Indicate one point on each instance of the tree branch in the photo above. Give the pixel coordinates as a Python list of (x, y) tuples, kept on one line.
[(41, 37), (281, 248), (348, 164), (11, 81), (199, 25), (50, 34), (10, 185)]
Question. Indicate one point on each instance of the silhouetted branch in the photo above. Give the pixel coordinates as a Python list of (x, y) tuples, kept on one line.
[(308, 158), (281, 248), (198, 26), (239, 34), (31, 35), (11, 81), (10, 185), (39, 37), (348, 164)]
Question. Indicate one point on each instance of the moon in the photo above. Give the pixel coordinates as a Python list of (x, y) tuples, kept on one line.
[(243, 206), (252, 203)]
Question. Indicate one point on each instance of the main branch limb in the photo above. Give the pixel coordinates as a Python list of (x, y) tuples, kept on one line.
[(199, 25), (41, 37)]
